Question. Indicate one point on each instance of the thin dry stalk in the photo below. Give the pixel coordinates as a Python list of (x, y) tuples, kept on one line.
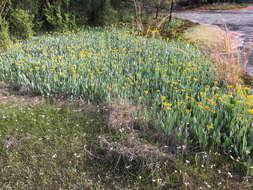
[(247, 56), (153, 25), (229, 62), (138, 13), (163, 20)]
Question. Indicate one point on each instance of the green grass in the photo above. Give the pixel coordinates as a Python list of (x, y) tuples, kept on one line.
[(175, 84), (50, 146), (47, 147)]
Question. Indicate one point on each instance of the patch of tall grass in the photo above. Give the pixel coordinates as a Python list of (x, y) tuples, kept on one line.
[(173, 81), (231, 64)]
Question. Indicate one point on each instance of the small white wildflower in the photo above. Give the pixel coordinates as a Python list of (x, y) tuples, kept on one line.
[(77, 155), (54, 156), (83, 173), (209, 186)]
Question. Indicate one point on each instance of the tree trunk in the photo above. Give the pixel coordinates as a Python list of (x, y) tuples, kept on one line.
[(157, 12), (171, 9)]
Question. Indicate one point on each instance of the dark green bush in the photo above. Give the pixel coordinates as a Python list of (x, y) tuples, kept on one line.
[(4, 34), (58, 16), (61, 15), (21, 23), (126, 15), (107, 15)]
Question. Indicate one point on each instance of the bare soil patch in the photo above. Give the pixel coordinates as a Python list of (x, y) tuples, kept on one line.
[(19, 97)]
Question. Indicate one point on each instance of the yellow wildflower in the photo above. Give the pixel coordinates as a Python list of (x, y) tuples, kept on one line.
[(247, 88), (248, 103), (210, 126), (207, 107), (168, 108), (188, 110)]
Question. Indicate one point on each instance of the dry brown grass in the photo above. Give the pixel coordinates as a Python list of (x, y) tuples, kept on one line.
[(151, 28), (231, 64)]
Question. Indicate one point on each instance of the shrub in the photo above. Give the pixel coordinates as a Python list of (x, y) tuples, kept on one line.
[(103, 13), (4, 34), (59, 19), (109, 14), (21, 24), (126, 15)]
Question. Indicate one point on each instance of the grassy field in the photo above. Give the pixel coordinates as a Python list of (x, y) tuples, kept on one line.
[(172, 86), (52, 146)]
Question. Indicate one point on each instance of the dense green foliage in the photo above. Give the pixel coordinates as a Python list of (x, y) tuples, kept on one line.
[(4, 34), (57, 18), (173, 81), (21, 25), (26, 16), (65, 12)]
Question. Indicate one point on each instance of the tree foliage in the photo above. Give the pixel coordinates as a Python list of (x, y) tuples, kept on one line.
[(21, 25), (4, 34)]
